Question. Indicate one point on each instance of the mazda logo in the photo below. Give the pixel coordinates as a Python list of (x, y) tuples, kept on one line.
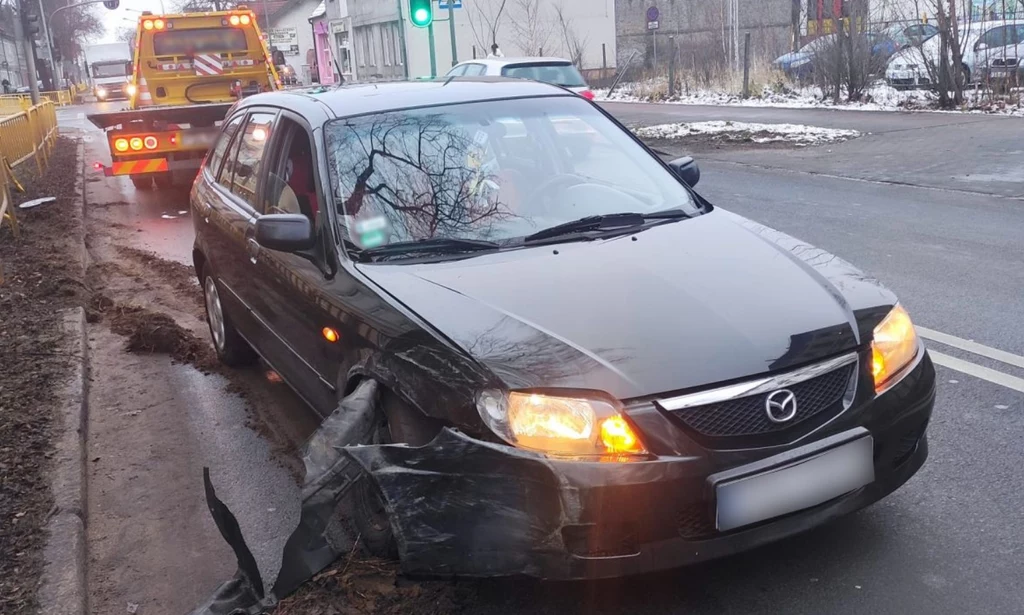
[(780, 406)]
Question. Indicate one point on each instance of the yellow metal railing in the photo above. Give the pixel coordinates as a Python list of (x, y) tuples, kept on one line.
[(26, 136), (61, 98)]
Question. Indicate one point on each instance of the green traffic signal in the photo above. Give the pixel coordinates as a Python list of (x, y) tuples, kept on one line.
[(421, 12)]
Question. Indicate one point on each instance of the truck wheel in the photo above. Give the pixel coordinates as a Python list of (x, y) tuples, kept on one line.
[(163, 180), (142, 182), (232, 350)]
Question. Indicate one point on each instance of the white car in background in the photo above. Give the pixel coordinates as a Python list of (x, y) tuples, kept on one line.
[(916, 67), (556, 71)]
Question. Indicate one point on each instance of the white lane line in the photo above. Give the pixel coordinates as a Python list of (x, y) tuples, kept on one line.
[(973, 347), (996, 377)]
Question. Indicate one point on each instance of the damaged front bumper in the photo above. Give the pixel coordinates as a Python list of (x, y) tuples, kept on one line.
[(459, 506)]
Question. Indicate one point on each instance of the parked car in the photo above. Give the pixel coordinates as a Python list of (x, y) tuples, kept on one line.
[(1002, 48), (555, 71), (981, 42), (801, 65), (584, 368)]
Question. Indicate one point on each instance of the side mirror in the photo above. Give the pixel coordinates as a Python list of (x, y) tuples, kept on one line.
[(285, 232), (686, 169)]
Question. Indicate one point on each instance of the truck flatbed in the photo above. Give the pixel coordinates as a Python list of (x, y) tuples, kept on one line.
[(181, 114)]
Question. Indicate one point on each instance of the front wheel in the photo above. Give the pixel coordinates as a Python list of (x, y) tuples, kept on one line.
[(232, 350)]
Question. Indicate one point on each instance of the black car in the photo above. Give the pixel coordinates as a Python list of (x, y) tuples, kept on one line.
[(580, 368)]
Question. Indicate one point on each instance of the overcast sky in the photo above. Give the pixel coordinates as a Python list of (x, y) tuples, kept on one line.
[(126, 15)]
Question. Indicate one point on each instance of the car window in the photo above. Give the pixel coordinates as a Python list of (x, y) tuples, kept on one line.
[(458, 71), (246, 168), (557, 73), (226, 136), (475, 70), (496, 170), (996, 37)]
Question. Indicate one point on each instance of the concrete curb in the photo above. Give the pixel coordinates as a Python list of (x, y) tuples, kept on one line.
[(63, 589)]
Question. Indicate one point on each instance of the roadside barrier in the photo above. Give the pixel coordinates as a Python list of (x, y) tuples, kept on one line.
[(26, 136), (61, 98)]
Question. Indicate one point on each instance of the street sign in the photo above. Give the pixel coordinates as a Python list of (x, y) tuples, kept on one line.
[(443, 4), (112, 4), (653, 14), (652, 25)]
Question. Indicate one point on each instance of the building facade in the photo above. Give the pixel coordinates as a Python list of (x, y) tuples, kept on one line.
[(13, 65)]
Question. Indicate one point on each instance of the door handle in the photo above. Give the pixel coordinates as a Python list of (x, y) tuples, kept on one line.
[(254, 250)]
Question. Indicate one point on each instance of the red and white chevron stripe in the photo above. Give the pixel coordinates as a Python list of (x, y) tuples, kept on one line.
[(208, 64)]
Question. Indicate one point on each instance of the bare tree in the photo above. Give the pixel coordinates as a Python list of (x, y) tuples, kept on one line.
[(575, 43), (484, 21), (531, 32), (125, 34)]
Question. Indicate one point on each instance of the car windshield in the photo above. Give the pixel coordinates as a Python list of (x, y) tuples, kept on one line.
[(557, 73), (114, 69), (492, 171)]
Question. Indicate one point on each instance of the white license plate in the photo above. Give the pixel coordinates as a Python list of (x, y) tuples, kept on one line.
[(801, 485)]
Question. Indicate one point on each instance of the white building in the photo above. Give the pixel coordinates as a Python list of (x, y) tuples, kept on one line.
[(374, 40)]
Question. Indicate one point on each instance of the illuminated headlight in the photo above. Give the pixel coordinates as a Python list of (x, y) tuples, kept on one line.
[(893, 349), (565, 426), (101, 92), (131, 89)]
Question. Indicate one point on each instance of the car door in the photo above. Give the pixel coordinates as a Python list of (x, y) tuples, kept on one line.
[(237, 208), (292, 303), (220, 224)]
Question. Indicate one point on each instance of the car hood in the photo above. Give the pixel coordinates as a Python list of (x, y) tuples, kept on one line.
[(679, 306)]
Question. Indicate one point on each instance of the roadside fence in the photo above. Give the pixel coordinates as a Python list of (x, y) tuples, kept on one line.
[(26, 137), (61, 98)]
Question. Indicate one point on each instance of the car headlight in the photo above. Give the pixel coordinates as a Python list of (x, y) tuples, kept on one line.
[(893, 348), (566, 426), (131, 89), (101, 92)]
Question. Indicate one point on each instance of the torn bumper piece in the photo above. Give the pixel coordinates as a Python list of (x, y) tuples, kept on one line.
[(460, 506)]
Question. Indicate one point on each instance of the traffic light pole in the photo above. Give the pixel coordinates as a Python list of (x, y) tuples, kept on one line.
[(30, 55), (433, 54)]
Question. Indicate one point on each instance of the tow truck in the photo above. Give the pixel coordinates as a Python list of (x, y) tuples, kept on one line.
[(189, 69)]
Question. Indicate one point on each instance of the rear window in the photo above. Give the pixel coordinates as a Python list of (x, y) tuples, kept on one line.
[(557, 73), (198, 40)]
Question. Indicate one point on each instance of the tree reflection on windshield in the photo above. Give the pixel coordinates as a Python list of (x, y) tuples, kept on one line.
[(416, 175)]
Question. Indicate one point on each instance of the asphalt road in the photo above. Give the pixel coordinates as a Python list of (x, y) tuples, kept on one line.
[(931, 204)]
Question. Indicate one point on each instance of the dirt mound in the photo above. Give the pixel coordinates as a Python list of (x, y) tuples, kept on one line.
[(39, 281), (152, 332)]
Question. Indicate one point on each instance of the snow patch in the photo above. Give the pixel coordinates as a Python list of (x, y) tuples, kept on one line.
[(745, 131), (879, 97)]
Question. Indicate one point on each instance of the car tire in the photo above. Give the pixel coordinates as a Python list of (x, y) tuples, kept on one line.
[(369, 514), (397, 422), (232, 349), (142, 182)]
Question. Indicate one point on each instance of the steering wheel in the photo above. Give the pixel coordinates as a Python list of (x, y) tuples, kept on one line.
[(538, 193)]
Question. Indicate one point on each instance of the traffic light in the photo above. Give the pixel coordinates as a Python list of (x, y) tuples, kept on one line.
[(421, 12), (30, 20)]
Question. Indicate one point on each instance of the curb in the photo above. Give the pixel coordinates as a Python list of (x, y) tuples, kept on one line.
[(63, 589)]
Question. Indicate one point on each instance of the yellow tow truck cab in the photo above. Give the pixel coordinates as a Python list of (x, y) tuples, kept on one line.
[(188, 70)]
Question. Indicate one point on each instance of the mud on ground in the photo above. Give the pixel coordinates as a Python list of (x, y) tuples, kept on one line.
[(41, 278)]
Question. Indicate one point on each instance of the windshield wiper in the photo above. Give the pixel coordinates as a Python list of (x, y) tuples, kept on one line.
[(607, 222), (436, 245)]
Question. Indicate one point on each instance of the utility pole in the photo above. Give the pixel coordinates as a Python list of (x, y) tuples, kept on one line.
[(54, 70), (29, 29)]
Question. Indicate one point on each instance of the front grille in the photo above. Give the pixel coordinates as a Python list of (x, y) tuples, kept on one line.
[(746, 416)]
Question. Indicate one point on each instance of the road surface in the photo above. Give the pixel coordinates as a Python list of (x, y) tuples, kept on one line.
[(931, 204)]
